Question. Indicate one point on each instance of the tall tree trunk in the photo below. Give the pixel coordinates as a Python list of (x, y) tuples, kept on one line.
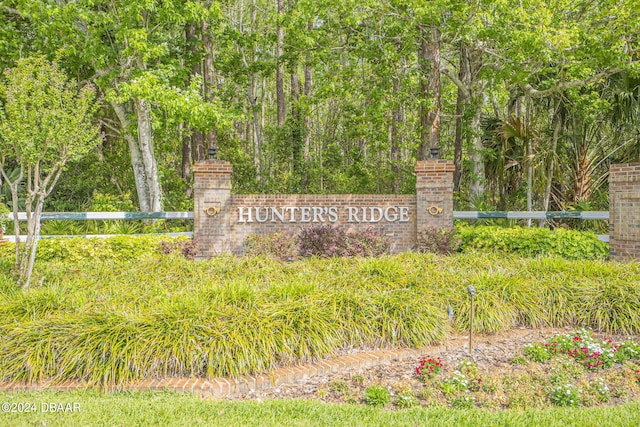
[(530, 154), (476, 152), (308, 82), (210, 81), (145, 143), (430, 87), (197, 149), (394, 137), (296, 128), (137, 164), (252, 93), (461, 101), (280, 66), (190, 141), (529, 178), (551, 170)]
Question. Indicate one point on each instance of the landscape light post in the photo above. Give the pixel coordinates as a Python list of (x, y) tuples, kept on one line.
[(472, 293)]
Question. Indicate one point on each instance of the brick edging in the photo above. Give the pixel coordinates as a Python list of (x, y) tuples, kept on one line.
[(233, 387)]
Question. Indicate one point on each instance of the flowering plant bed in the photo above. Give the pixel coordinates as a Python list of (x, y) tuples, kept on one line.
[(510, 373), (574, 369), (585, 350)]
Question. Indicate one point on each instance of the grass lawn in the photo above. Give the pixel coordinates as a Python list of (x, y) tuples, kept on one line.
[(171, 409)]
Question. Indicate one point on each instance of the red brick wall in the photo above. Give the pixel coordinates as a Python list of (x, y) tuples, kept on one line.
[(402, 231), (224, 220), (624, 211), (434, 194), (212, 189)]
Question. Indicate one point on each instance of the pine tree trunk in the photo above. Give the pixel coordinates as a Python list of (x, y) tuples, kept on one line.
[(430, 86), (188, 142), (394, 142), (210, 81), (462, 102), (296, 128), (252, 94), (476, 190), (308, 82), (476, 152), (280, 66)]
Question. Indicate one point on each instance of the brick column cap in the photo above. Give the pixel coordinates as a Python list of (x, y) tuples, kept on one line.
[(434, 165), (213, 166)]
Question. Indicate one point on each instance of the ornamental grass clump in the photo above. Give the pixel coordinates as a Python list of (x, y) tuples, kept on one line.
[(126, 317), (110, 323)]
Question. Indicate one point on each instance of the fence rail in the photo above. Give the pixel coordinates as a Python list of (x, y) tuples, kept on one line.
[(592, 215), (86, 216)]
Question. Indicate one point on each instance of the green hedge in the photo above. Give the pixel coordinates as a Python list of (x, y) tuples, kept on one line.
[(533, 241), (80, 249)]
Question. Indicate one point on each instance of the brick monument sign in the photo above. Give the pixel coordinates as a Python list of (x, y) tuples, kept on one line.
[(222, 220), (624, 211)]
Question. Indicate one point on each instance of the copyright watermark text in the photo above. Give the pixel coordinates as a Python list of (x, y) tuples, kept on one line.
[(20, 407)]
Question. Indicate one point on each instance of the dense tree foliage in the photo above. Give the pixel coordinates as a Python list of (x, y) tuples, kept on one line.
[(531, 99), (45, 124)]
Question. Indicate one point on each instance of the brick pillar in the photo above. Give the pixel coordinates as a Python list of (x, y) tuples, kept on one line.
[(212, 207), (434, 194), (624, 211)]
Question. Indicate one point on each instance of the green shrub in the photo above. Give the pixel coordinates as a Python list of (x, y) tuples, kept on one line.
[(275, 245), (377, 395), (600, 390), (4, 217), (565, 395), (187, 248), (405, 400), (530, 241), (441, 241), (119, 248), (324, 241), (537, 352), (327, 241), (463, 402)]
